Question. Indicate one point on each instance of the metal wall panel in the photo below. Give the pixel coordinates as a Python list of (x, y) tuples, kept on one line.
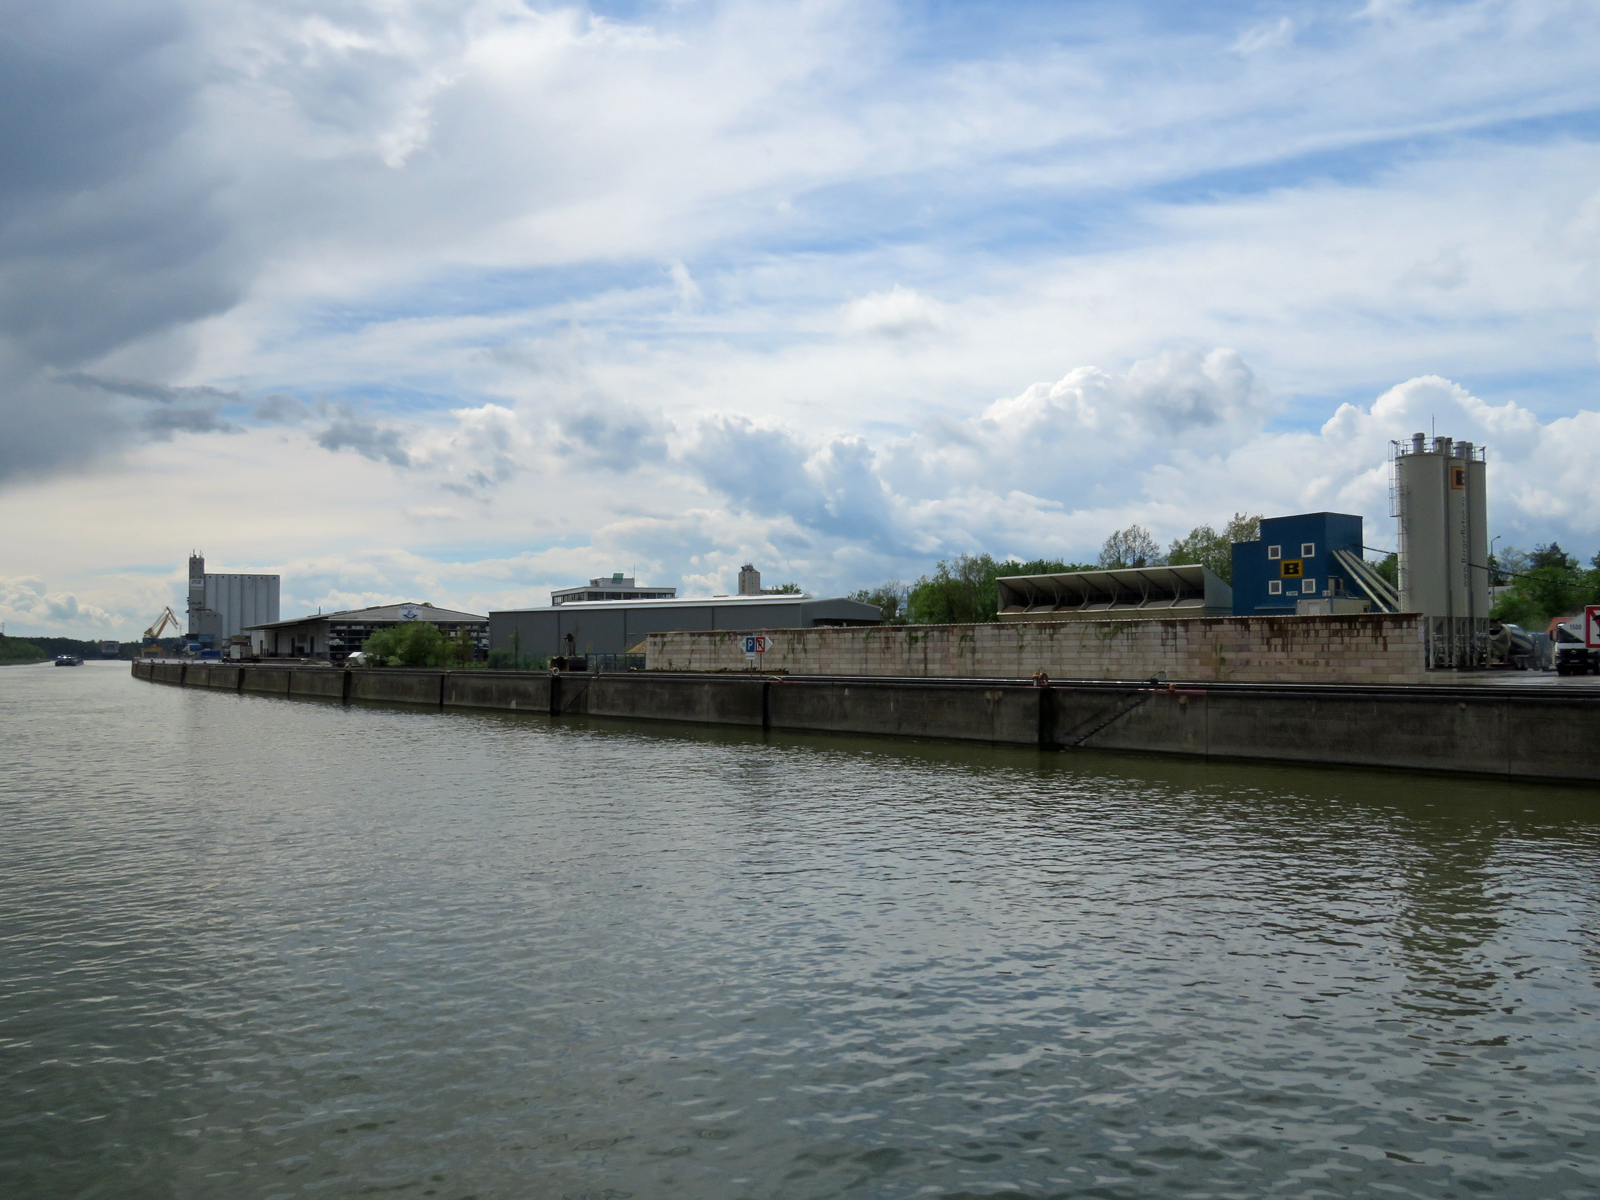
[(239, 601)]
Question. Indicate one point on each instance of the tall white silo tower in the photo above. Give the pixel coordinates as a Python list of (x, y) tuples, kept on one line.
[(1441, 499)]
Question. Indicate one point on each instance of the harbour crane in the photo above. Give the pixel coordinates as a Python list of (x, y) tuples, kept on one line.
[(152, 636)]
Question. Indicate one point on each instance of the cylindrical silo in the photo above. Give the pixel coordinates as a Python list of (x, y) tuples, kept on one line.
[(1442, 506)]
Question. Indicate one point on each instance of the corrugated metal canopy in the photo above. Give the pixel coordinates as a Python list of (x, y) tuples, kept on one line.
[(1191, 591)]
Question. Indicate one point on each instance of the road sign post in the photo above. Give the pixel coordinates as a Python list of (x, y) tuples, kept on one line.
[(755, 645)]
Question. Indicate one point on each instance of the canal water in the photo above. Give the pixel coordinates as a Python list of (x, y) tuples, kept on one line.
[(253, 947)]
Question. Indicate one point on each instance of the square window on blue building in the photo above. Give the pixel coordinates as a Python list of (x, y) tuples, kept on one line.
[(1266, 583)]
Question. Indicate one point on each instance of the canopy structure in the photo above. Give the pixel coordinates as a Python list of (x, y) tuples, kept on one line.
[(1125, 594)]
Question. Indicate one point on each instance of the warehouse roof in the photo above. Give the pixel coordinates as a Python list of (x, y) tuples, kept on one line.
[(1191, 590), (694, 601), (390, 613)]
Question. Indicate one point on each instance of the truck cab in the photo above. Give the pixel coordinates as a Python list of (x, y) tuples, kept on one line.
[(1572, 656)]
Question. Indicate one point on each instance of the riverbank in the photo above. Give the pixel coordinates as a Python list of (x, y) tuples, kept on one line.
[(1522, 733)]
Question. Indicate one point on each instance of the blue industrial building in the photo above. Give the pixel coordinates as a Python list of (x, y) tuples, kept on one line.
[(1294, 560)]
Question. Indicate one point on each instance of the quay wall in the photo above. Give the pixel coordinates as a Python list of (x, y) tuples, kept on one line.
[(1355, 648), (1524, 732)]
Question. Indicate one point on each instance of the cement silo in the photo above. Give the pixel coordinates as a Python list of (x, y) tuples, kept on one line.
[(1441, 499)]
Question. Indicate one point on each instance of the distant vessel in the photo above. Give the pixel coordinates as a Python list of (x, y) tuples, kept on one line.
[(68, 660)]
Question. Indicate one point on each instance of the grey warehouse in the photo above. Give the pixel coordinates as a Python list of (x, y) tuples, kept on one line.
[(617, 626)]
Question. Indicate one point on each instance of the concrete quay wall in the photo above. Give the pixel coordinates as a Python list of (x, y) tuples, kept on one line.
[(1526, 732), (1371, 648)]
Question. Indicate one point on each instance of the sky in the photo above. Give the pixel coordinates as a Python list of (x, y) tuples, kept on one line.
[(462, 300)]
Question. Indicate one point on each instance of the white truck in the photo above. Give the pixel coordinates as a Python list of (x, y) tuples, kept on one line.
[(1576, 652)]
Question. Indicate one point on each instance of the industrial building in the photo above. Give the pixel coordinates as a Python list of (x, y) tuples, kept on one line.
[(1309, 564), (222, 606), (614, 587), (335, 636), (616, 627), (1128, 593), (1440, 496)]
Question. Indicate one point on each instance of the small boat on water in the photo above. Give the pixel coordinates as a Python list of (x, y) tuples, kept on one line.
[(68, 660)]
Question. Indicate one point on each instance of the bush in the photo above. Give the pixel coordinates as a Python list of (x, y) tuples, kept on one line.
[(411, 644)]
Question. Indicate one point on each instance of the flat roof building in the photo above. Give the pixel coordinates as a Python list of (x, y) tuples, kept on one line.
[(616, 627), (335, 636), (614, 587)]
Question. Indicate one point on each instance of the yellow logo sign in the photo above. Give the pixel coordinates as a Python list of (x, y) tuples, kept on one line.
[(1458, 479), (1293, 568)]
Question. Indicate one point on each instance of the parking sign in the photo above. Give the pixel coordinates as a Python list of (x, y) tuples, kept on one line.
[(754, 644)]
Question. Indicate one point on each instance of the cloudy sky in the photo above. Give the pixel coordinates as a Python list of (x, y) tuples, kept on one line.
[(459, 300)]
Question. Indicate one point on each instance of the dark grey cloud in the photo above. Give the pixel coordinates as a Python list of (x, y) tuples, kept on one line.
[(161, 423), (140, 389), (367, 438), (107, 227), (618, 439), (281, 410), (108, 230)]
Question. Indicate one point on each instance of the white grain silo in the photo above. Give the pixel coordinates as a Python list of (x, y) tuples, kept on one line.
[(221, 606), (1441, 499)]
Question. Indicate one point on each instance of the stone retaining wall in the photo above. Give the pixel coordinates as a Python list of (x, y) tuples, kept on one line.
[(1358, 648)]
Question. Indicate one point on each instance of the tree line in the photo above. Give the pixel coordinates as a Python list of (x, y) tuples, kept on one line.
[(1542, 584), (962, 590)]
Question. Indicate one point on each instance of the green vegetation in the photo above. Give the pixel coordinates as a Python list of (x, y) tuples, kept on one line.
[(784, 589), (15, 650), (1204, 545), (962, 590), (891, 596), (1389, 568), (1545, 584), (418, 644), (1130, 547)]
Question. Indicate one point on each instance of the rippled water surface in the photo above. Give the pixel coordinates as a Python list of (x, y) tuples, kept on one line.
[(253, 947)]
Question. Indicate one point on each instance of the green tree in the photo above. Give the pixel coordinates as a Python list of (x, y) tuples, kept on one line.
[(458, 649), (1131, 547), (1243, 528), (1551, 555), (784, 589), (17, 650), (408, 644), (1389, 569), (962, 590), (891, 596), (1204, 545), (1551, 585)]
